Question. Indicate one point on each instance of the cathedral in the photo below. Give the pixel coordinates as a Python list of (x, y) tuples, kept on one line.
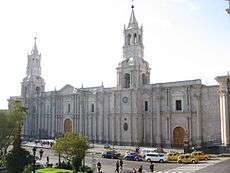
[(134, 112)]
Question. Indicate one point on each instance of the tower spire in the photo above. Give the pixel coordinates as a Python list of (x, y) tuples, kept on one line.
[(133, 21), (34, 59), (35, 49)]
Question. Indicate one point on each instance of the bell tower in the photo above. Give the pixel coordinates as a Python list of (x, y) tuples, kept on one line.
[(133, 45), (133, 71), (33, 84)]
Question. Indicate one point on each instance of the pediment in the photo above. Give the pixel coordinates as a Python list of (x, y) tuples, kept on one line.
[(67, 89)]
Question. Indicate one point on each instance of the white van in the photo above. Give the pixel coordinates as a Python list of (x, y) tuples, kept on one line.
[(144, 151), (155, 157)]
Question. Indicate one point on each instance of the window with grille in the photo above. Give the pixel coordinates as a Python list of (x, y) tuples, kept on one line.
[(146, 106), (92, 107), (178, 105)]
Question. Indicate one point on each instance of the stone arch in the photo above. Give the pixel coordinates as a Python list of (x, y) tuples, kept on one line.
[(67, 125), (135, 38), (178, 136), (144, 79), (127, 80)]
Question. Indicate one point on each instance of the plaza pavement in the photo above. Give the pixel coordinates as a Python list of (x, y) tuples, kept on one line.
[(108, 165)]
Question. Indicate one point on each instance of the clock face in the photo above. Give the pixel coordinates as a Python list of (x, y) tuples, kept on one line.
[(125, 99)]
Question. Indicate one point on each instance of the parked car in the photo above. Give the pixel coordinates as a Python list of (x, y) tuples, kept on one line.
[(155, 157), (132, 153), (200, 155), (133, 158), (111, 155), (172, 156), (187, 158), (144, 151)]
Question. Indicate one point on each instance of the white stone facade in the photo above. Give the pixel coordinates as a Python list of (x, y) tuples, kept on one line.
[(133, 112)]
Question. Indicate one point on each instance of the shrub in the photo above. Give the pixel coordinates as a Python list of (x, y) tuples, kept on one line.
[(16, 160), (86, 169), (76, 163), (28, 169)]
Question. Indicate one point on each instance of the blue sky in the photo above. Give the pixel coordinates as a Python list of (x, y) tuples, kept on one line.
[(81, 41)]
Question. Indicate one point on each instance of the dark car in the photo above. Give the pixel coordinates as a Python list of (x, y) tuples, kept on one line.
[(133, 158), (110, 155)]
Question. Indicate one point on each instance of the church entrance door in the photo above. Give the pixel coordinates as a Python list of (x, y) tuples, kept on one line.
[(67, 126), (178, 137)]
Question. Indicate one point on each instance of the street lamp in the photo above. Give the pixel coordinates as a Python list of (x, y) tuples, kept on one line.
[(228, 9), (59, 159), (34, 160)]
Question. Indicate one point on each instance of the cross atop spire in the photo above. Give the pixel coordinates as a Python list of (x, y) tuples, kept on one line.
[(133, 21), (35, 49)]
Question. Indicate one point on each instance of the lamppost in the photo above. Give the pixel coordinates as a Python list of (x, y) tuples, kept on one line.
[(228, 9), (34, 160), (59, 159)]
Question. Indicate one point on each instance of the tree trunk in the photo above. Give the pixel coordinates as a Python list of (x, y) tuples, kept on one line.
[(17, 140)]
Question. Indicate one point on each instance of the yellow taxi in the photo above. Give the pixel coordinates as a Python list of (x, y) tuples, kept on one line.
[(187, 158), (172, 156), (200, 155)]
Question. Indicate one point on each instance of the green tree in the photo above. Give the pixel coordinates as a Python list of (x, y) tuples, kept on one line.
[(72, 147), (10, 133), (17, 160), (17, 114), (6, 131), (10, 125)]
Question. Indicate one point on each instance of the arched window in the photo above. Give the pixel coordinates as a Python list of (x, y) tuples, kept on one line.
[(127, 80), (129, 39), (135, 38), (37, 90), (144, 79), (34, 109)]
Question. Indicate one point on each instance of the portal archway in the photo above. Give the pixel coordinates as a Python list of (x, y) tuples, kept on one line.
[(178, 137), (67, 126)]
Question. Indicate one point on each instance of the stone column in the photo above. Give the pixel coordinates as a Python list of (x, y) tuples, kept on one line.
[(152, 117), (168, 118), (198, 118), (224, 94), (158, 108), (81, 113)]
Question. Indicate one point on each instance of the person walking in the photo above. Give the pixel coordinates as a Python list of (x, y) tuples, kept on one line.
[(41, 154), (151, 167), (140, 169), (121, 164), (48, 159), (99, 166), (117, 166)]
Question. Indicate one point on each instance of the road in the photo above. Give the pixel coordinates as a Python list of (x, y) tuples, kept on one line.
[(108, 165), (222, 167)]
